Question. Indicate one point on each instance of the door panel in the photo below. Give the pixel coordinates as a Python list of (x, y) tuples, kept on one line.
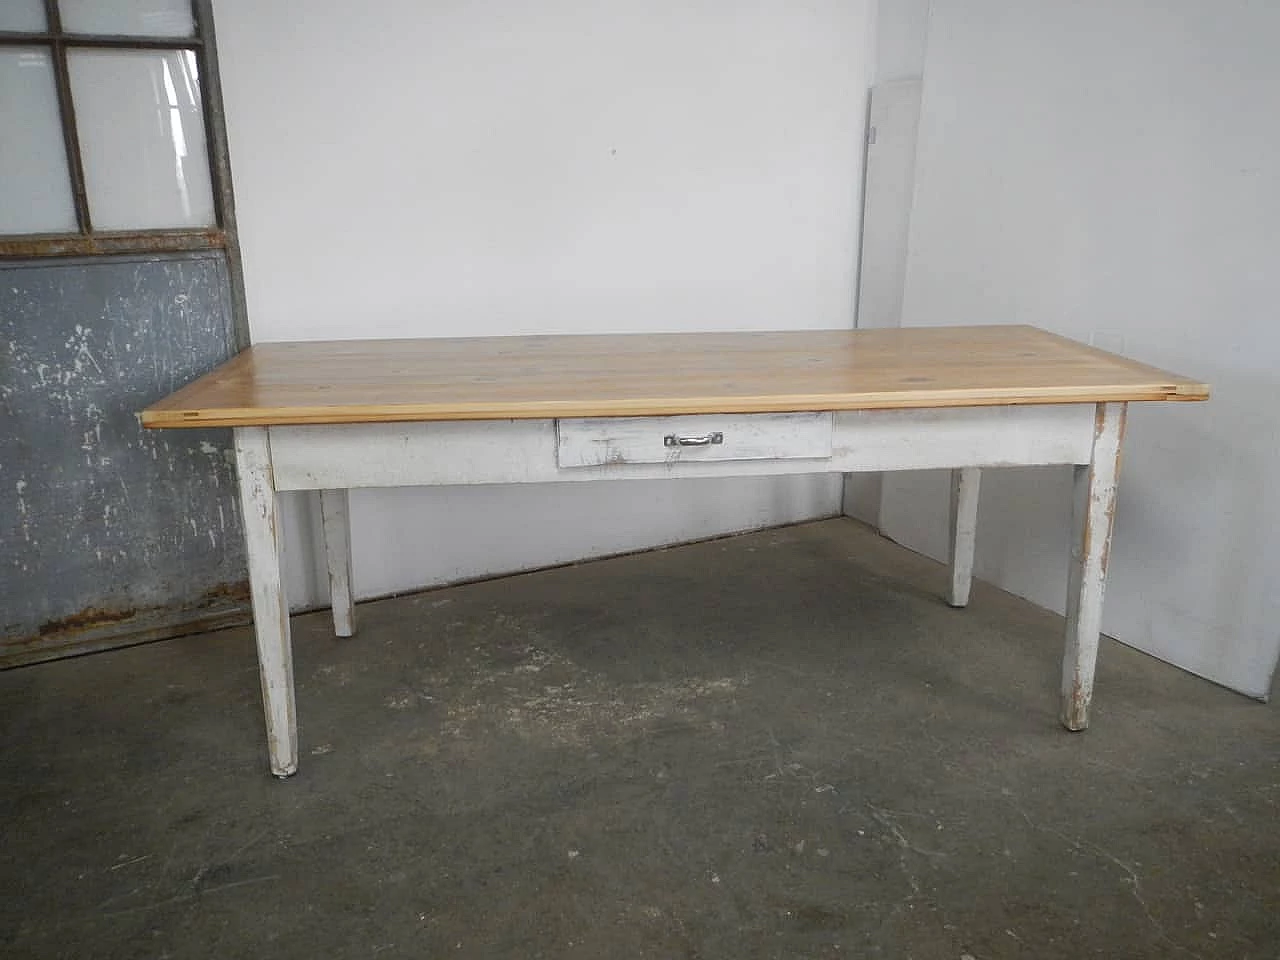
[(112, 534)]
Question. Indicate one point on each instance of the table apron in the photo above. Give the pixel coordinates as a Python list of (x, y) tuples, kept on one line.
[(334, 456)]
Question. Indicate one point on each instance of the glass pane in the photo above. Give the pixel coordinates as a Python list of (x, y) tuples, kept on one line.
[(22, 16), (142, 138), (35, 189), (133, 18)]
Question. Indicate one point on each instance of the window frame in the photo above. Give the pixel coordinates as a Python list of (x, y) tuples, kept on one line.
[(87, 241)]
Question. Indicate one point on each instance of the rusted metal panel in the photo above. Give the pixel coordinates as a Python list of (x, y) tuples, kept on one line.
[(220, 162), (112, 533), (226, 605), (100, 41), (152, 242)]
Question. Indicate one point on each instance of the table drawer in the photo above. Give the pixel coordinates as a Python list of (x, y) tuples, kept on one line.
[(598, 441)]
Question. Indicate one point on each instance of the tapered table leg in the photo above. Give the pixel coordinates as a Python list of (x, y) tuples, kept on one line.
[(264, 541), (1094, 507), (336, 521), (964, 529)]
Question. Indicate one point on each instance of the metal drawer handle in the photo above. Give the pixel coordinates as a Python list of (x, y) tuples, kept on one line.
[(673, 440)]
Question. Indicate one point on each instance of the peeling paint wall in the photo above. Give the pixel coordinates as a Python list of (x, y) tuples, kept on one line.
[(109, 531)]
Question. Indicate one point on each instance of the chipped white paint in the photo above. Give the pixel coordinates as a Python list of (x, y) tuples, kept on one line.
[(599, 441), (270, 612), (322, 457), (1093, 508), (964, 531), (82, 356), (336, 523)]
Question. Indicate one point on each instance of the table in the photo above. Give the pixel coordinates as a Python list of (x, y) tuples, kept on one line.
[(332, 416)]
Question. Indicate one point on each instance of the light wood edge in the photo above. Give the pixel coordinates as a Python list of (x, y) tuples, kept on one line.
[(389, 413)]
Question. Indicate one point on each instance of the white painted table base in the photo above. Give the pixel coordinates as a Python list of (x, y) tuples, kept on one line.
[(334, 458)]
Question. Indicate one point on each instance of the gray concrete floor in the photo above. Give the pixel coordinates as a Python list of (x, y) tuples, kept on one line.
[(776, 745)]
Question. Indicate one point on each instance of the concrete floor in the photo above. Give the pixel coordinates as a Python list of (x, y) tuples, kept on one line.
[(777, 745)]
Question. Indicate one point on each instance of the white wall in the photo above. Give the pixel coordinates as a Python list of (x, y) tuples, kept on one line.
[(902, 34), (902, 28), (894, 112), (406, 169), (1108, 171)]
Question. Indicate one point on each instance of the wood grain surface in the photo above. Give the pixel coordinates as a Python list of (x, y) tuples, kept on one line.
[(367, 381)]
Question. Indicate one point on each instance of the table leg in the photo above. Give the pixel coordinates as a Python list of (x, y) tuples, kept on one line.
[(336, 520), (964, 530), (1094, 506), (270, 610)]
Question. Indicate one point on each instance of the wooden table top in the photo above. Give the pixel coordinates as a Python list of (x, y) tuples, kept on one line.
[(368, 381)]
